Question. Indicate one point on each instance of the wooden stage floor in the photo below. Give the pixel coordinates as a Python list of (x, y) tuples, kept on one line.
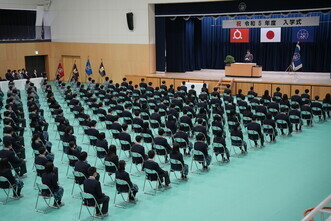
[(313, 78)]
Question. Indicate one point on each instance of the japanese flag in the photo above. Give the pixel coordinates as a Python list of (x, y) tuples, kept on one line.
[(270, 34)]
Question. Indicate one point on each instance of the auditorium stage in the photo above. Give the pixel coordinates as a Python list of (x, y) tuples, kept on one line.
[(317, 83), (317, 78)]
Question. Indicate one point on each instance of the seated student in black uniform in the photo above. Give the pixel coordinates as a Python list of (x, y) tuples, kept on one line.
[(171, 124), (273, 105), (160, 140), (152, 165), (74, 150), (201, 146), (201, 127), (296, 97), (255, 127), (182, 134), (251, 92), (305, 97), (116, 126), (18, 164), (93, 186), (176, 155), (192, 91), (240, 96), (82, 166), (146, 130), (227, 89), (186, 119), (296, 112), (277, 95), (318, 104), (6, 172), (142, 83), (283, 116), (183, 87), (156, 116), (285, 101), (68, 135), (272, 133), (163, 86), (50, 179), (327, 101), (112, 157), (42, 159), (238, 133), (218, 138), (103, 143), (92, 131), (138, 148), (123, 175)]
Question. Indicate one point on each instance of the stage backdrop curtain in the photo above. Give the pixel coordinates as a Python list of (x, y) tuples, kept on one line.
[(203, 44)]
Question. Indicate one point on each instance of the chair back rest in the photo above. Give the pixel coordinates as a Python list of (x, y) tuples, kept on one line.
[(3, 179), (294, 117), (281, 122), (150, 171), (41, 186), (235, 138), (87, 196), (267, 126), (39, 167), (124, 142), (110, 164), (218, 146), (252, 132), (121, 182), (159, 147), (197, 153), (113, 131), (72, 157), (78, 174)]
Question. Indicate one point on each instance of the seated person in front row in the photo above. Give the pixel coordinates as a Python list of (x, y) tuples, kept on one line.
[(17, 184), (93, 186), (200, 145), (152, 165), (123, 175)]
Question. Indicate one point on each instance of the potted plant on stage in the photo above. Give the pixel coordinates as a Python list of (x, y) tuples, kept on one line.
[(229, 60)]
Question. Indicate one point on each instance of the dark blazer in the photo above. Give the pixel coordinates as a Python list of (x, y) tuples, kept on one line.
[(152, 165), (93, 187), (114, 159), (123, 175), (254, 126), (177, 156), (187, 120), (40, 160), (50, 179), (82, 166), (202, 147), (137, 148), (163, 142), (15, 161)]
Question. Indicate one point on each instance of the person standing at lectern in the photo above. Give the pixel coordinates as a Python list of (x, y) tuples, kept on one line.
[(248, 57)]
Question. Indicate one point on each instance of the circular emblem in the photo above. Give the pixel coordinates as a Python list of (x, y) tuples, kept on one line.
[(60, 70), (303, 34), (237, 35), (296, 56), (242, 6)]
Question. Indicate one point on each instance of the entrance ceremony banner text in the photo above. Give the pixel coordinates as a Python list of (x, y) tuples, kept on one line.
[(272, 22)]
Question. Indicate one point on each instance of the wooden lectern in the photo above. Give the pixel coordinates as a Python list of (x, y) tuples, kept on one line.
[(243, 70)]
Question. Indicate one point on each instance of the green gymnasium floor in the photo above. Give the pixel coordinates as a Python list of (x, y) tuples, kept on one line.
[(278, 182)]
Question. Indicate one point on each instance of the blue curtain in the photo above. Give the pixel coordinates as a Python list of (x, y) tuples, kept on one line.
[(203, 44)]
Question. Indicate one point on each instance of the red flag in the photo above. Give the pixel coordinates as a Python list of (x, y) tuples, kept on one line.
[(60, 71), (239, 35)]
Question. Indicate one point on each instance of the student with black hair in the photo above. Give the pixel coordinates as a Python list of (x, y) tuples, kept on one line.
[(123, 175), (93, 186), (50, 179), (152, 165)]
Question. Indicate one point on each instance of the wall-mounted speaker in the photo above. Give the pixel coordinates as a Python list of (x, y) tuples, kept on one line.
[(129, 19)]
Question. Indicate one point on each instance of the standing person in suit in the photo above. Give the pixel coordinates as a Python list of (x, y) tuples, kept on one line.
[(176, 155), (249, 57), (152, 165), (50, 179), (123, 175), (93, 186), (255, 127)]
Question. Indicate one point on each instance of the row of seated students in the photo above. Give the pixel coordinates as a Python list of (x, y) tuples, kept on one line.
[(56, 110), (12, 156)]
